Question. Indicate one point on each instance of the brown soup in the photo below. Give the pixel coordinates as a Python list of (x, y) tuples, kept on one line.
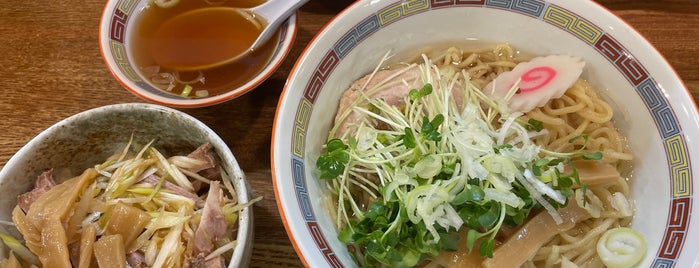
[(147, 37)]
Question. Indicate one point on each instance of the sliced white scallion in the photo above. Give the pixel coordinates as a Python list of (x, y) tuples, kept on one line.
[(186, 91), (226, 179), (621, 247), (508, 198), (536, 195), (16, 246), (195, 176), (428, 203), (201, 93), (544, 188), (482, 145), (179, 178), (90, 218), (186, 162), (147, 173), (501, 165), (428, 167), (366, 138), (171, 249), (621, 204), (587, 200), (499, 183), (222, 249)]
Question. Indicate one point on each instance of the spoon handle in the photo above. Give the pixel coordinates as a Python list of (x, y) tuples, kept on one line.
[(274, 12)]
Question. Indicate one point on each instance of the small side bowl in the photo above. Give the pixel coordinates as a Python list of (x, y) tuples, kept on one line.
[(117, 23), (82, 140)]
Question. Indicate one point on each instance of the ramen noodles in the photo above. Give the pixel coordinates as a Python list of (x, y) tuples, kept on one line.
[(479, 159)]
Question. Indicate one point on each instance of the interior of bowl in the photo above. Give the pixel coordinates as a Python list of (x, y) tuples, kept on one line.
[(88, 138), (652, 107), (116, 26)]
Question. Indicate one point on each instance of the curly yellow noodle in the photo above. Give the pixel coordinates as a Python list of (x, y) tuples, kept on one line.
[(562, 106), (579, 111), (471, 59)]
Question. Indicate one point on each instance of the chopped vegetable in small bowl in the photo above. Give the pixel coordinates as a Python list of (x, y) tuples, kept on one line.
[(130, 184)]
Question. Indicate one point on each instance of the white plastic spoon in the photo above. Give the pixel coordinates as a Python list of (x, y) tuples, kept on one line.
[(267, 17)]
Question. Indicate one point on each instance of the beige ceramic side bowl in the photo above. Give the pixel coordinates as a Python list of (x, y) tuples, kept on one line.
[(88, 138), (118, 22)]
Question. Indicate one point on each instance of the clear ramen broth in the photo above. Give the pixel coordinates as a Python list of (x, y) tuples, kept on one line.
[(143, 41)]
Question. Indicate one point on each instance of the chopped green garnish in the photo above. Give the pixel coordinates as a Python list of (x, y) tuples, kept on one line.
[(405, 190), (593, 156), (19, 249), (408, 138), (585, 137), (469, 194), (332, 163), (534, 125), (501, 147), (416, 94), (487, 246), (429, 128), (186, 91)]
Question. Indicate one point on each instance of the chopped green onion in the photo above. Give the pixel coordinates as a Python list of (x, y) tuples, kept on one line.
[(222, 249), (201, 93), (186, 91), (621, 247), (19, 249), (434, 167)]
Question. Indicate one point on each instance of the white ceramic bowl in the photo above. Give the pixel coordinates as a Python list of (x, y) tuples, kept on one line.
[(116, 27), (652, 106), (75, 143)]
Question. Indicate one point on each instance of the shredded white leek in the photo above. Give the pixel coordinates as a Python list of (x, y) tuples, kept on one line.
[(169, 208), (169, 253), (468, 138), (201, 93), (621, 247), (222, 249), (186, 91), (621, 204), (19, 249), (589, 202)]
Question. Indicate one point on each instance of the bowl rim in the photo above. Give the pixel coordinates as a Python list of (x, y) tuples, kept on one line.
[(288, 32), (245, 229), (304, 56), (282, 97)]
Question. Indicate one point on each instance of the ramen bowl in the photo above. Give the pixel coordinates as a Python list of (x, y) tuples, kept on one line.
[(88, 138), (652, 106), (126, 39)]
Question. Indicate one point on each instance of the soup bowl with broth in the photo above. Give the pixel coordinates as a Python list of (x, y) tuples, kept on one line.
[(132, 39), (372, 45)]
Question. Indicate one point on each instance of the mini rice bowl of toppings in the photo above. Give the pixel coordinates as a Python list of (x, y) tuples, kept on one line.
[(485, 134), (127, 184)]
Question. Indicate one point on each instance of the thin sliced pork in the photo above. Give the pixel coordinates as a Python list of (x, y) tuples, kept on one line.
[(212, 227), (43, 183)]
